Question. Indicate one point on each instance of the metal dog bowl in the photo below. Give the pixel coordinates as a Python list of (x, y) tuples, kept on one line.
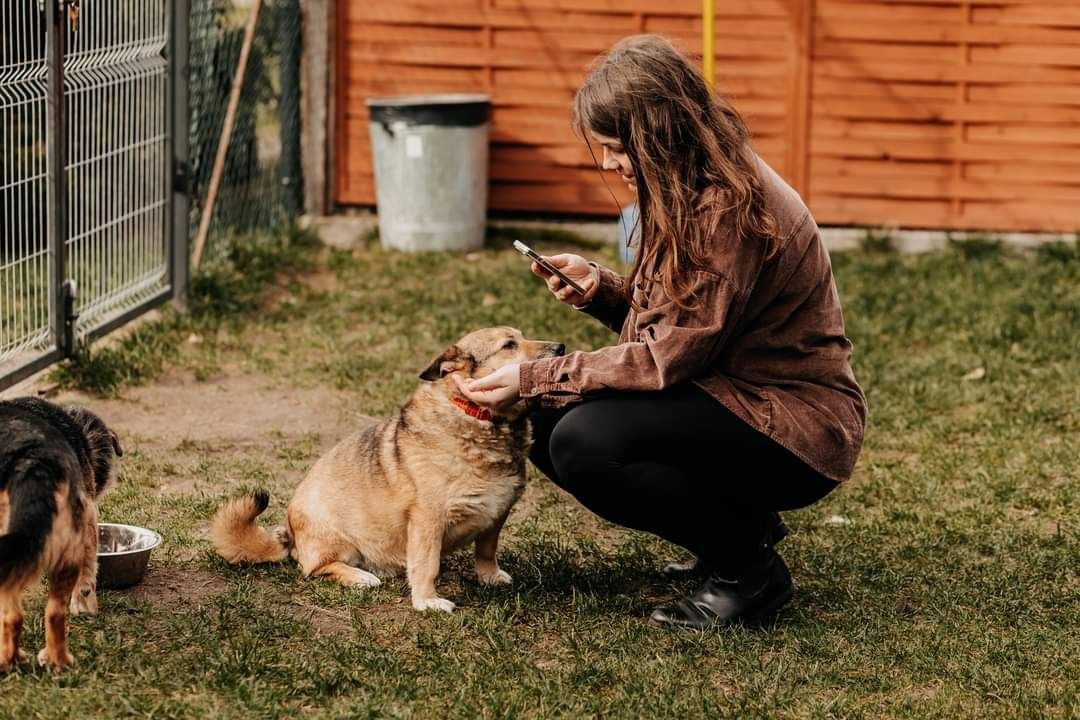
[(123, 551)]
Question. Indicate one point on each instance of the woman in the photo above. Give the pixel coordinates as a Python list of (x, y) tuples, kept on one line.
[(729, 395)]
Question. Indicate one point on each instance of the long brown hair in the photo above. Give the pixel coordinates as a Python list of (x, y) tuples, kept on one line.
[(690, 152)]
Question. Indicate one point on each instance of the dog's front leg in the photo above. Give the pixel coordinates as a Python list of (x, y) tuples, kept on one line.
[(423, 553), (84, 597), (487, 567)]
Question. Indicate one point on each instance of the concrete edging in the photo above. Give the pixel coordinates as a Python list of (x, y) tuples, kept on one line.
[(347, 231)]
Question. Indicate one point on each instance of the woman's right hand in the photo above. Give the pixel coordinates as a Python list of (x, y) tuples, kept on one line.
[(577, 269)]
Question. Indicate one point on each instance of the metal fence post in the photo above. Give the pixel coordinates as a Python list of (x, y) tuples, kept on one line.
[(56, 180), (288, 18), (179, 168)]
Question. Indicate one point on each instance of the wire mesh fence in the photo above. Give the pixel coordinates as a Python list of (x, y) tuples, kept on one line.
[(92, 100), (115, 90), (261, 181), (25, 330)]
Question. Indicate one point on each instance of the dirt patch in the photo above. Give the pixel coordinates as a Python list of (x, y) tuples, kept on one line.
[(176, 589), (230, 409)]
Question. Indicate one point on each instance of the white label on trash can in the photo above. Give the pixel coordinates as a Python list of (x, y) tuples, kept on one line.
[(414, 146)]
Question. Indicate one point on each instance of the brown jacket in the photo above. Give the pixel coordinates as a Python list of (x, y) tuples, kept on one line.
[(766, 339)]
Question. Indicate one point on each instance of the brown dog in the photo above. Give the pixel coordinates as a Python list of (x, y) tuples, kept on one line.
[(439, 474), (54, 464)]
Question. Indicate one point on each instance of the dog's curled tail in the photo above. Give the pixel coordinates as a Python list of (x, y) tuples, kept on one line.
[(237, 537)]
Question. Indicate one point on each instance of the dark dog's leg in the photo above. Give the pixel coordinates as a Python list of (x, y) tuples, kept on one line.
[(84, 598), (487, 567), (11, 622), (423, 553), (55, 654)]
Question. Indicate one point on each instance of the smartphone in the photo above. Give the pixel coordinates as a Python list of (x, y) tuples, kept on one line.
[(531, 254)]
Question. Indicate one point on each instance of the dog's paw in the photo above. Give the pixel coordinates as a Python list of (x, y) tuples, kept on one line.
[(435, 603), (362, 579), (9, 664), (496, 577), (84, 600), (45, 661)]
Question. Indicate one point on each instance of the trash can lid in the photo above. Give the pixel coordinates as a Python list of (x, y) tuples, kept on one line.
[(450, 109)]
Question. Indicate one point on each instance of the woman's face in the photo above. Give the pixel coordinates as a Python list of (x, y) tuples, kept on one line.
[(615, 158)]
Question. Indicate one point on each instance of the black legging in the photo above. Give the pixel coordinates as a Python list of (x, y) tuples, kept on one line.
[(678, 464)]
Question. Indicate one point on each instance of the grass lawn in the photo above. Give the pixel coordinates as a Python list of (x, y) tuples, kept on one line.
[(942, 581)]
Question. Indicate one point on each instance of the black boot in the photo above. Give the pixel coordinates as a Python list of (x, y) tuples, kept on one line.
[(699, 569), (751, 599)]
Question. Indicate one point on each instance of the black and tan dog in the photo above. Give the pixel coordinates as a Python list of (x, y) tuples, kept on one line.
[(439, 474), (54, 464)]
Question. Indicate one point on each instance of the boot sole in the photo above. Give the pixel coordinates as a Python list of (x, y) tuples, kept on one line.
[(757, 620)]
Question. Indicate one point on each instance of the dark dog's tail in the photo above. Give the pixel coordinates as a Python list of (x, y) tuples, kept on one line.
[(238, 539), (31, 509)]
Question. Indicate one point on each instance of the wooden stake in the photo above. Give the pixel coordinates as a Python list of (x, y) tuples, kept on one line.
[(226, 136)]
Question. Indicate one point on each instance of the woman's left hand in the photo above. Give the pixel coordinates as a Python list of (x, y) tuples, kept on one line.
[(499, 389)]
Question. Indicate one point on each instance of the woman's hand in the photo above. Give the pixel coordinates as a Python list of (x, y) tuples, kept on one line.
[(577, 269), (499, 389)]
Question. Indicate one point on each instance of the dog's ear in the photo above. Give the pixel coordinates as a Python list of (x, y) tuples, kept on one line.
[(452, 359), (116, 444)]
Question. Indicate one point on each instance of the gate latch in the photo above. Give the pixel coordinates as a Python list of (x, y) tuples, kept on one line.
[(70, 316)]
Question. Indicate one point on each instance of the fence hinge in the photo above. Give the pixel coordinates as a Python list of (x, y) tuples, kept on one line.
[(181, 176), (70, 316)]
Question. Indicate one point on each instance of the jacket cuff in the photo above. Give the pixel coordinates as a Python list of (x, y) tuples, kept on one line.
[(538, 387)]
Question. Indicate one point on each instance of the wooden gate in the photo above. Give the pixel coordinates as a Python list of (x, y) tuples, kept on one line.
[(918, 113)]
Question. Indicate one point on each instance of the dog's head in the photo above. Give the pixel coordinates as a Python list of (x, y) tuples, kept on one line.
[(102, 444), (484, 351)]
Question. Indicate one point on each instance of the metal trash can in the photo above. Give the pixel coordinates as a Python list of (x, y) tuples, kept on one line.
[(431, 170)]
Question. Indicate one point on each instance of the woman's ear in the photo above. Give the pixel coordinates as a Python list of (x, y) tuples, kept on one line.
[(452, 359)]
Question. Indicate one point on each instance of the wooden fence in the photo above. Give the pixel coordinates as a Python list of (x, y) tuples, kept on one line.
[(919, 113)]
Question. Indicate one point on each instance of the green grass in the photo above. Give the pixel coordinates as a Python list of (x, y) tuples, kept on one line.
[(949, 589)]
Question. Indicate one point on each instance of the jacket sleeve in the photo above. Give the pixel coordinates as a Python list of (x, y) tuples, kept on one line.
[(609, 304), (672, 344)]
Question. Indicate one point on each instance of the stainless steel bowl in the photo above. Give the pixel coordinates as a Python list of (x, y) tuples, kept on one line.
[(123, 551)]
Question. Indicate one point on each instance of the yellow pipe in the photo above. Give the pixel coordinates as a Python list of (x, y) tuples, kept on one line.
[(708, 38)]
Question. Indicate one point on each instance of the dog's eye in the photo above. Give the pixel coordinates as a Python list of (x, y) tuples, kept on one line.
[(509, 345)]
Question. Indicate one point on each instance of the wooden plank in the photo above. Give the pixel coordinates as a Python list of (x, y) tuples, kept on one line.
[(1044, 94), (385, 33), (827, 166), (904, 32), (871, 88), (940, 111), (731, 25), (940, 71), (419, 15), (593, 198), (1042, 14), (878, 129), (653, 7), (829, 209), (801, 96), (593, 41), (829, 10), (1012, 172), (932, 188), (1040, 134), (857, 53), (1068, 55), (930, 150), (454, 56), (367, 72)]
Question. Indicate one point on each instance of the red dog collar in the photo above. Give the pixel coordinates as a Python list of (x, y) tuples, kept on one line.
[(472, 408)]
